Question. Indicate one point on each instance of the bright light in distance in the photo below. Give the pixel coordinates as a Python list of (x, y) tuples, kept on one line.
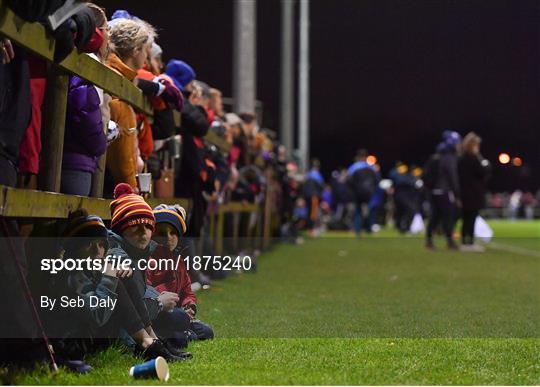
[(504, 158), (517, 161), (371, 160)]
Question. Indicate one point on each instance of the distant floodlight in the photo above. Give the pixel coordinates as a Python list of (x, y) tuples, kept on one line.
[(504, 158), (371, 160), (517, 161)]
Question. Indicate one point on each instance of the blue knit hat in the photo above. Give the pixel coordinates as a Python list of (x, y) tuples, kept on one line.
[(180, 72), (451, 137), (174, 215)]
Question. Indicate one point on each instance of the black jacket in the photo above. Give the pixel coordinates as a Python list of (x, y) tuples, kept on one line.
[(194, 127), (15, 106), (447, 177), (473, 174)]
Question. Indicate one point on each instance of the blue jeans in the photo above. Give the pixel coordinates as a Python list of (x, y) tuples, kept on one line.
[(174, 324), (76, 182), (201, 330)]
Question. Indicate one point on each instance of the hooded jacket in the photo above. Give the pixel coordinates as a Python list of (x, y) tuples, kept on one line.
[(84, 139), (122, 152)]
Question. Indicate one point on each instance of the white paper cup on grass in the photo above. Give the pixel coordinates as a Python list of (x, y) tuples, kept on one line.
[(156, 369)]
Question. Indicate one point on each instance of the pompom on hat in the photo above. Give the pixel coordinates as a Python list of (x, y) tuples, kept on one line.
[(129, 209)]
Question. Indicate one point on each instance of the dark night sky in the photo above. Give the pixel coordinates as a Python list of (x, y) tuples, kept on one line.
[(385, 75)]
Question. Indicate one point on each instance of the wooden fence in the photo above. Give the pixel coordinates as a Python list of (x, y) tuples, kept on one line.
[(48, 203)]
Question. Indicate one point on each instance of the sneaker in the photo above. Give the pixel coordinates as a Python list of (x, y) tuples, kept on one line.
[(157, 348), (176, 351), (195, 287), (204, 280), (473, 248)]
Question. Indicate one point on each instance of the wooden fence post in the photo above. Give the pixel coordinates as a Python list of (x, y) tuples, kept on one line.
[(52, 131)]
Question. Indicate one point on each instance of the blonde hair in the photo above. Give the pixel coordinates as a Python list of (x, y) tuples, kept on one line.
[(469, 141), (99, 14), (129, 35)]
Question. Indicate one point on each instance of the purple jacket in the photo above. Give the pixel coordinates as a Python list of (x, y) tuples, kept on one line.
[(84, 139)]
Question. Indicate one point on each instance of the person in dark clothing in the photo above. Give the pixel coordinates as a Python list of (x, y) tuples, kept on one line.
[(311, 191), (473, 172), (15, 115), (193, 128), (362, 179), (404, 196), (443, 189)]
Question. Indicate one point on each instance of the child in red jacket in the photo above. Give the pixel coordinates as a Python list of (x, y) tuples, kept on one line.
[(170, 226)]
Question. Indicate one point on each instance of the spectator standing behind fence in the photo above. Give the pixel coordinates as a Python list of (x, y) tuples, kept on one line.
[(441, 181), (84, 139), (130, 41), (473, 173), (193, 128)]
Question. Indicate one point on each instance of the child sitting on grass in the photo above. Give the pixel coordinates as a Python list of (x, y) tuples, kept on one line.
[(110, 299), (132, 226), (170, 226)]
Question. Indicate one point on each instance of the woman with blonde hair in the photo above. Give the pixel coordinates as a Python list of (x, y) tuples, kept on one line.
[(130, 42), (473, 172)]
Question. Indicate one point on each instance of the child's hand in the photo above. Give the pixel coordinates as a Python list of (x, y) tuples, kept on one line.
[(124, 273), (191, 310), (169, 300)]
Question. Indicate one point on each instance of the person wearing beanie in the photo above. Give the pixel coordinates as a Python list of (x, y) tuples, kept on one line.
[(443, 190), (181, 73), (195, 125), (170, 226), (111, 304), (132, 225)]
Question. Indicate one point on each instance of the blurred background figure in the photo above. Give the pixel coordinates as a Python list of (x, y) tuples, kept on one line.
[(405, 196), (312, 191), (442, 184), (473, 174), (363, 180)]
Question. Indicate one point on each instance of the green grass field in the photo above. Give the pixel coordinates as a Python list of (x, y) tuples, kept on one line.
[(380, 310)]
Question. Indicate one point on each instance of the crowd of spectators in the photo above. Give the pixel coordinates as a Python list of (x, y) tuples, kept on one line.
[(155, 310)]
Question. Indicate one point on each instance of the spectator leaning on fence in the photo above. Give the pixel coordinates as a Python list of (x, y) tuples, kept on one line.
[(130, 42), (84, 139)]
